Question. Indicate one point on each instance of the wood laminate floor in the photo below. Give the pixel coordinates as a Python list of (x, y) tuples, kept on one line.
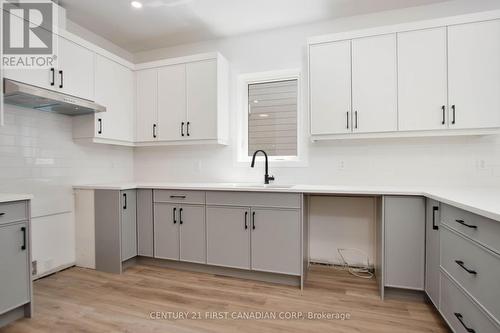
[(83, 300)]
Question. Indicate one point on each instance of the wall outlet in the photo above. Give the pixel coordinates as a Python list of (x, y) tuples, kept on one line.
[(34, 267)]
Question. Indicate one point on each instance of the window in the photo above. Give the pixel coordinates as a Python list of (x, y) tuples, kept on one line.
[(270, 118)]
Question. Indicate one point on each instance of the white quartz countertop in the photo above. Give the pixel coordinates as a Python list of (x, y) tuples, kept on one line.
[(482, 201), (9, 197)]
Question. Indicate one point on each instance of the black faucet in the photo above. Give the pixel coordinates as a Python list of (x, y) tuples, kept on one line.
[(267, 178)]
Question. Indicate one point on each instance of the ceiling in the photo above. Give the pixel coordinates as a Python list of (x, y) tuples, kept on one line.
[(163, 23)]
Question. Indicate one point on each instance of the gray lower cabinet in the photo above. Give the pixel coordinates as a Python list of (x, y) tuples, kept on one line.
[(276, 240), (14, 261), (145, 225), (179, 232), (228, 236), (404, 239), (432, 218), (129, 225)]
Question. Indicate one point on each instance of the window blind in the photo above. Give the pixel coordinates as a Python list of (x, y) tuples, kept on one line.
[(272, 118)]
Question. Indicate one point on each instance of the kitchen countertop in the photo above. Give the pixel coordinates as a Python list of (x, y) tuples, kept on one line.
[(482, 201), (9, 197)]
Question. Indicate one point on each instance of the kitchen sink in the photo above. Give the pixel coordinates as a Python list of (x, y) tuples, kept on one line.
[(253, 185)]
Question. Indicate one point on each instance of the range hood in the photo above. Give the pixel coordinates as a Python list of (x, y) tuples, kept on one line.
[(25, 95)]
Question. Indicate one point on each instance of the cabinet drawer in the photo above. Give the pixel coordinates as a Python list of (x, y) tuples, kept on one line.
[(177, 196), (460, 312), (254, 199), (13, 211), (479, 228), (458, 255)]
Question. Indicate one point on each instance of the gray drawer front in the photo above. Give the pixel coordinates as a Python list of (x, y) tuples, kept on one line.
[(454, 301), (254, 199), (177, 196), (483, 285), (487, 231), (13, 212)]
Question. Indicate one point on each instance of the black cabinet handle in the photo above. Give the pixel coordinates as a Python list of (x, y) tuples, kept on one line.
[(23, 229), (460, 319), (355, 119), (434, 210), (178, 197), (182, 129), (465, 224), (453, 110), (173, 213), (154, 131), (187, 128), (62, 78), (253, 220), (443, 109), (53, 72), (124, 200), (461, 264), (180, 216), (2, 214), (347, 119), (99, 131), (246, 216)]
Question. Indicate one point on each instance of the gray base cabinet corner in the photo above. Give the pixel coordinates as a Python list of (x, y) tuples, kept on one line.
[(15, 262), (432, 222), (115, 228)]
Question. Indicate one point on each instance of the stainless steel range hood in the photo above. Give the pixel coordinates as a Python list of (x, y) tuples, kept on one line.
[(22, 94)]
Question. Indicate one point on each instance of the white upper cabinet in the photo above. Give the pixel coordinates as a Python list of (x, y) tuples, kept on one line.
[(114, 85), (75, 72), (201, 98), (146, 105), (474, 74), (422, 79), (330, 87), (374, 84), (183, 102), (172, 119)]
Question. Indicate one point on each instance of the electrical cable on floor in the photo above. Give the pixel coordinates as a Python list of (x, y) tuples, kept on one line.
[(361, 272)]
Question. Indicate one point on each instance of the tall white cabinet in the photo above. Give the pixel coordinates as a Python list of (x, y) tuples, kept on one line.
[(407, 80), (182, 101)]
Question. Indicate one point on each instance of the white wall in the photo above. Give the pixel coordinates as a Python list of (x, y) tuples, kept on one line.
[(432, 161), (38, 156)]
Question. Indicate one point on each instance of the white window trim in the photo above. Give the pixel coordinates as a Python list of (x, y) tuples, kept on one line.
[(244, 80)]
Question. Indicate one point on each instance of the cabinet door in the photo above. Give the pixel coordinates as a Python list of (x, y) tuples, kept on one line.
[(201, 83), (330, 87), (404, 229), (422, 79), (474, 74), (128, 225), (77, 66), (269, 228), (432, 218), (14, 272), (374, 84), (146, 104), (172, 102), (192, 234), (114, 89), (166, 231), (228, 237)]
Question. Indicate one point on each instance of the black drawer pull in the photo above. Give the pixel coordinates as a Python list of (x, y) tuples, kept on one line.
[(177, 197), (124, 200), (154, 131), (246, 216), (2, 214), (182, 129), (465, 224), (461, 264), (173, 213), (453, 109), (443, 108), (434, 210), (347, 119), (253, 220), (180, 216), (23, 229), (53, 72), (99, 131), (187, 128), (461, 320), (61, 85)]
